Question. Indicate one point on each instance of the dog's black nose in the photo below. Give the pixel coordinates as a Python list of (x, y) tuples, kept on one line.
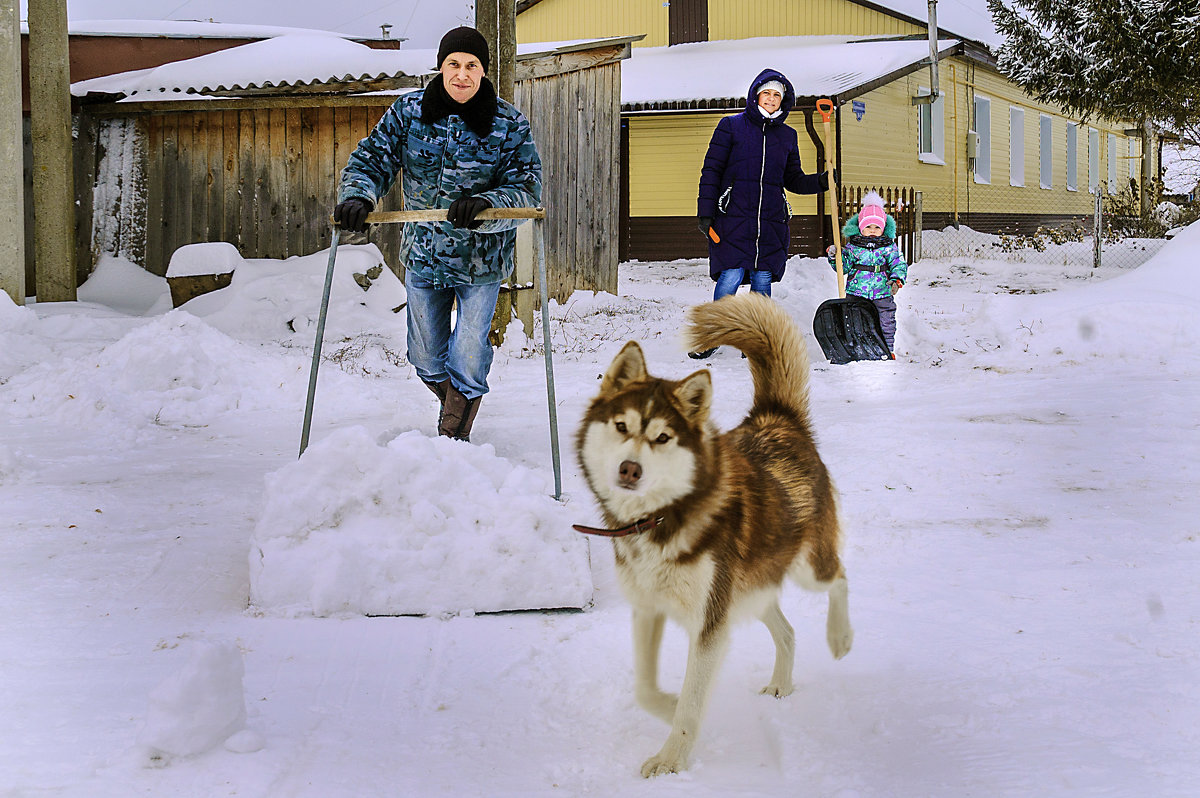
[(630, 473)]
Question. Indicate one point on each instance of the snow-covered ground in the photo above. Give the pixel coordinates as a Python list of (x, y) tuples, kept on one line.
[(184, 606)]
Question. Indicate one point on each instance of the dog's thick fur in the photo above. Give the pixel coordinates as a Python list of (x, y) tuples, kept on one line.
[(740, 510)]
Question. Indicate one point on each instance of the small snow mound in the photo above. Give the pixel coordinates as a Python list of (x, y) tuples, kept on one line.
[(122, 285), (12, 316), (418, 526), (197, 708)]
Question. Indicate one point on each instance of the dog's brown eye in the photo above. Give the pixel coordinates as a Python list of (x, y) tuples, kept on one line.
[(662, 438), (620, 425)]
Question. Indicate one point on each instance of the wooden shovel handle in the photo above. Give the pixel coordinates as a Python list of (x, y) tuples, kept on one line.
[(439, 215), (825, 107)]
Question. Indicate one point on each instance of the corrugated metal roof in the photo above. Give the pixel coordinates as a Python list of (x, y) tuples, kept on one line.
[(297, 63)]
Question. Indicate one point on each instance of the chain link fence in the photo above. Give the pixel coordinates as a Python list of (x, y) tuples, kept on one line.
[(1097, 229)]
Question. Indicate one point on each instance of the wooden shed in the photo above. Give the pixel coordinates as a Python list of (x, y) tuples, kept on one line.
[(257, 164)]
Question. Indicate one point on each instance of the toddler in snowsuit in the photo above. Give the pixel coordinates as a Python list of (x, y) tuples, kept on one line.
[(874, 266)]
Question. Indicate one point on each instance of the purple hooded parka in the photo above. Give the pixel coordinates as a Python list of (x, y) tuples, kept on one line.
[(750, 161)]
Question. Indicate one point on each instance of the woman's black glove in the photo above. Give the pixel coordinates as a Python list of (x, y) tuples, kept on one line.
[(351, 214), (703, 223), (462, 212)]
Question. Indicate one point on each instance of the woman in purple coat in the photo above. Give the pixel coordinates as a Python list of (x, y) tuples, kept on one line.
[(752, 158)]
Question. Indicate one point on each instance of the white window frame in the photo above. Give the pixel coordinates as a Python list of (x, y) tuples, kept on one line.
[(983, 127), (1072, 156), (1045, 151), (1093, 160), (1016, 146), (1112, 163), (1133, 160), (936, 154)]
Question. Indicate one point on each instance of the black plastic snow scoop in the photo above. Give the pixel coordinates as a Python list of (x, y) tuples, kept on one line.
[(847, 328)]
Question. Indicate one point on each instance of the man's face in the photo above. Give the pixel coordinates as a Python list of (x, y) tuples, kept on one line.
[(461, 75)]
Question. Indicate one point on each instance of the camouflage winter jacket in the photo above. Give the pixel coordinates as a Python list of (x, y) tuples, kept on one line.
[(439, 162), (871, 263)]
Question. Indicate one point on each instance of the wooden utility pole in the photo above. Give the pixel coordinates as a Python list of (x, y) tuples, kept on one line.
[(53, 171), (12, 184), (497, 21)]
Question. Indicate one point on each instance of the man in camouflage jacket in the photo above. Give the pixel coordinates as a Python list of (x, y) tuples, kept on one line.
[(458, 146)]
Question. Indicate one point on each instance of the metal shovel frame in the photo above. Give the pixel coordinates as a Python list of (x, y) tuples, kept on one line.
[(847, 328), (538, 215)]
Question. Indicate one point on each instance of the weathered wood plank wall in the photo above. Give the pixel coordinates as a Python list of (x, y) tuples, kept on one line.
[(262, 173)]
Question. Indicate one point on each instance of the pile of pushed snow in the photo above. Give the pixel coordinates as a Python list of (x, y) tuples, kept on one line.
[(281, 299), (175, 369), (122, 285), (200, 707), (417, 526), (1145, 311)]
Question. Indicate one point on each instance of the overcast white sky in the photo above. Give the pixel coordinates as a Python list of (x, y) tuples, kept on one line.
[(422, 21)]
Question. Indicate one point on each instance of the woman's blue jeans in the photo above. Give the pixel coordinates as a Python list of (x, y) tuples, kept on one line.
[(729, 280), (463, 354)]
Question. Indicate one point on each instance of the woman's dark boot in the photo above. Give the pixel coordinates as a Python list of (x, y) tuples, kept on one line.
[(458, 415)]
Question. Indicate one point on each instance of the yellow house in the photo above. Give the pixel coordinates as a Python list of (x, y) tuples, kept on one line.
[(983, 154)]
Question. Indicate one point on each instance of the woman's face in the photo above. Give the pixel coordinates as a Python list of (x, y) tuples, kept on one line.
[(770, 100)]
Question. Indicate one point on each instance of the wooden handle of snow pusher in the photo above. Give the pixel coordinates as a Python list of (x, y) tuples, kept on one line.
[(439, 215), (825, 109)]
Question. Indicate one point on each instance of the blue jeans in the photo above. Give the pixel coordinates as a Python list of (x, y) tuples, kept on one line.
[(464, 354), (729, 280)]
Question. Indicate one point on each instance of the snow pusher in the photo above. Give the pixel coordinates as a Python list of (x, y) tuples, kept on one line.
[(847, 328), (538, 215)]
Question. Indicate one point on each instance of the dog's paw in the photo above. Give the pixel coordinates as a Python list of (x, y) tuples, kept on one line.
[(777, 690), (659, 765), (840, 641)]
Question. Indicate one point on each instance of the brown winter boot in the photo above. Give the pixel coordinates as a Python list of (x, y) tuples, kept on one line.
[(458, 414), (439, 390)]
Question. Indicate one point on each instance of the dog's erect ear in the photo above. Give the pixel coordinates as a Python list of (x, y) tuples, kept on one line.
[(695, 396), (628, 366)]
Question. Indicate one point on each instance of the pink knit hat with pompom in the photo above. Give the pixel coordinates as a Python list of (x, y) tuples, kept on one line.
[(872, 211)]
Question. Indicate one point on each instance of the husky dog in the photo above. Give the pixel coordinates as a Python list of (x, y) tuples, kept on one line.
[(708, 524)]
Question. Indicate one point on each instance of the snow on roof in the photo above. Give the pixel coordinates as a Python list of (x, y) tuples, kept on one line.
[(817, 66), (292, 60), (297, 59), (184, 29)]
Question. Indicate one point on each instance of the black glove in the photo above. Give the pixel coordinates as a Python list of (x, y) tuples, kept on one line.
[(703, 223), (823, 179), (351, 214), (462, 212)]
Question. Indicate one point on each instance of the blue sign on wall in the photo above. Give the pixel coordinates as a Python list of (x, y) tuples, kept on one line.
[(859, 107)]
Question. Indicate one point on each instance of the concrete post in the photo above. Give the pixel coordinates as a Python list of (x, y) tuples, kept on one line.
[(12, 224), (53, 161)]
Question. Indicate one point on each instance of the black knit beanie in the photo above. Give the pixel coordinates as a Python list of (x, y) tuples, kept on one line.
[(464, 40)]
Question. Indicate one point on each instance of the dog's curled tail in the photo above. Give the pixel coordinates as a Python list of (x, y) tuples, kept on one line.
[(758, 326)]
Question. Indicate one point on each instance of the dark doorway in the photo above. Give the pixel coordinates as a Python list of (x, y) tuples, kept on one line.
[(688, 21)]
